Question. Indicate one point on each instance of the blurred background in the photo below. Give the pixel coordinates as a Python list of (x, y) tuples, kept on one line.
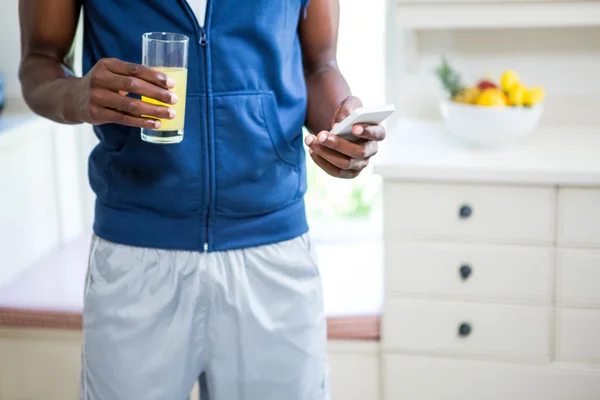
[(464, 264)]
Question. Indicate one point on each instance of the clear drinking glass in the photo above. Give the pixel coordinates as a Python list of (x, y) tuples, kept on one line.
[(168, 53)]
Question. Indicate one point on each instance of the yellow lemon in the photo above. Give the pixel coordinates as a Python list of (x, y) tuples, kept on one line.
[(508, 80), (517, 95), (534, 96), (492, 98)]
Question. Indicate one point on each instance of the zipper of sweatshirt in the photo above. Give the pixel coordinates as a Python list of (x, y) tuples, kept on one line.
[(203, 42)]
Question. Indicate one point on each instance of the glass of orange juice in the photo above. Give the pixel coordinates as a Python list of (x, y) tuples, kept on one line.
[(168, 53)]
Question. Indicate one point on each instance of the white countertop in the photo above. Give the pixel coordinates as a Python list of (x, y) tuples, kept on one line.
[(17, 122), (14, 114), (352, 274), (425, 151)]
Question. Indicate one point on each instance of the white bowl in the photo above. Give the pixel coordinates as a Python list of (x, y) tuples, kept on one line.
[(490, 127)]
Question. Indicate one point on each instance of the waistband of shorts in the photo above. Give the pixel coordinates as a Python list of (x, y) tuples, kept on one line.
[(142, 228)]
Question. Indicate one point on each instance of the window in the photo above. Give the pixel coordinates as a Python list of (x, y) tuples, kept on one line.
[(361, 59), (344, 214)]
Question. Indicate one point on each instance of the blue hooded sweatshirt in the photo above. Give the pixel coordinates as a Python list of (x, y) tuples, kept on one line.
[(238, 178)]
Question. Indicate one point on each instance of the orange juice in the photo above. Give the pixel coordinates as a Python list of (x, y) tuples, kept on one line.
[(180, 89)]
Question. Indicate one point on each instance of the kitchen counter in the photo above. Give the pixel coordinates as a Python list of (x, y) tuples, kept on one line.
[(49, 293), (492, 261), (14, 114), (425, 151)]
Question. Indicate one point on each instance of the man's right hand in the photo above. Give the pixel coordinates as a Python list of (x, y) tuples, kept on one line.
[(47, 33), (102, 94)]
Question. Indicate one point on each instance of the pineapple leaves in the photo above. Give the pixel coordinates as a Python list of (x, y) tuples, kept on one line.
[(450, 79)]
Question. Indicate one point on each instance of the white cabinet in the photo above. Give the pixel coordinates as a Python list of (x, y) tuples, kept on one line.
[(440, 14), (420, 378), (37, 365), (45, 365), (354, 370), (579, 222), (578, 336), (492, 270), (578, 278)]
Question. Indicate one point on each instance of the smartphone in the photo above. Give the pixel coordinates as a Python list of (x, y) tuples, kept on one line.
[(365, 115)]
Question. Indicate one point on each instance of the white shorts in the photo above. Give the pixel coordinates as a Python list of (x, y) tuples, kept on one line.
[(251, 321)]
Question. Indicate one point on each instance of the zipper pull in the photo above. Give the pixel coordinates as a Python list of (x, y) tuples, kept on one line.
[(205, 246), (203, 36)]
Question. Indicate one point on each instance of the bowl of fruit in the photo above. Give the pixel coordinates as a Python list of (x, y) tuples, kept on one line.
[(490, 114)]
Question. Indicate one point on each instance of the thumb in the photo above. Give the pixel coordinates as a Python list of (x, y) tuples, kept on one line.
[(346, 107)]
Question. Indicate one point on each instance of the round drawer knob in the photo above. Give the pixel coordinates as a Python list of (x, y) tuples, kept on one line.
[(465, 271), (465, 211), (464, 330)]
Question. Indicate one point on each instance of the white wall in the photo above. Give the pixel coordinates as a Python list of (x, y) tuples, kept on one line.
[(565, 61), (10, 46), (360, 49), (46, 200), (29, 224)]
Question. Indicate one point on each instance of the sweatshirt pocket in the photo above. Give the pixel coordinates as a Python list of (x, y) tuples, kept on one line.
[(161, 178), (256, 167)]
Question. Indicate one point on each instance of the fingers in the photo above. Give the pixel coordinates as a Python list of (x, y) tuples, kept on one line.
[(105, 115), (127, 105), (332, 169), (123, 78), (369, 132), (360, 150), (139, 71), (341, 157), (107, 85), (338, 159), (141, 87)]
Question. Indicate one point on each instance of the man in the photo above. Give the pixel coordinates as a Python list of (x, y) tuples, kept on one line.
[(200, 261)]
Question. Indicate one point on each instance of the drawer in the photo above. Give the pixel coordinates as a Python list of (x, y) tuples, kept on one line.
[(471, 272), (578, 282), (479, 213), (579, 217), (578, 335), (421, 378), (467, 329)]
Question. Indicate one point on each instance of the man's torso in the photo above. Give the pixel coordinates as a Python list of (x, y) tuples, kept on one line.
[(238, 178)]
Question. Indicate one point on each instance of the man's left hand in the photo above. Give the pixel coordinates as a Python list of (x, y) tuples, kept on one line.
[(340, 157)]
